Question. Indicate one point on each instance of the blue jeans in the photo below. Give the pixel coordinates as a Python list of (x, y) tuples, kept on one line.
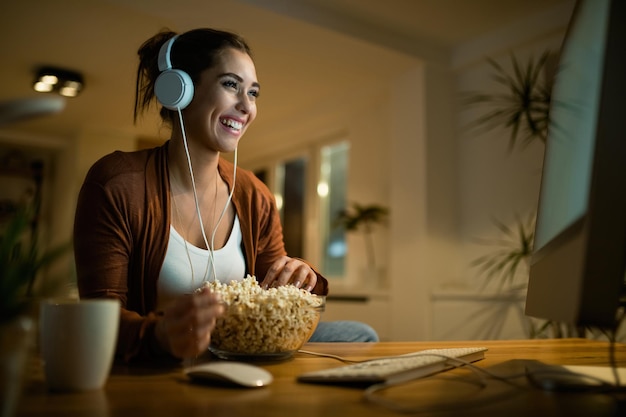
[(344, 331)]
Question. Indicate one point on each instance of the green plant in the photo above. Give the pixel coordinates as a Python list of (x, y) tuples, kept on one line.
[(363, 218), (513, 250), (524, 107), (21, 263)]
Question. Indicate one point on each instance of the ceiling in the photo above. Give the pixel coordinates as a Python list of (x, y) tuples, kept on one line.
[(306, 51)]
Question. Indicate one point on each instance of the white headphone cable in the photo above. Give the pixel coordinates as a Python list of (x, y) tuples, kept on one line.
[(195, 197), (230, 197)]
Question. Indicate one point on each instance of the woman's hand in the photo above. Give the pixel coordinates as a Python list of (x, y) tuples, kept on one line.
[(187, 323), (292, 271)]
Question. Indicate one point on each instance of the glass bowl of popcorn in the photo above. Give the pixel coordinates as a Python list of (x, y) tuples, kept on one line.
[(261, 324)]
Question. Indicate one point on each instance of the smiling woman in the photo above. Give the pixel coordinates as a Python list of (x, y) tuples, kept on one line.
[(153, 226)]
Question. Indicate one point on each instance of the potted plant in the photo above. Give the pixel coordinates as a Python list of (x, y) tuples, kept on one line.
[(364, 218), (524, 109), (21, 264), (524, 106), (513, 250), (521, 106)]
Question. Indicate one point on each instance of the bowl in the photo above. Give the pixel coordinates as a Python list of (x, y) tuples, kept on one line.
[(263, 324)]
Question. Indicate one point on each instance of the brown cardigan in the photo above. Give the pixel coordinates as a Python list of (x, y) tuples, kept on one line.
[(121, 232)]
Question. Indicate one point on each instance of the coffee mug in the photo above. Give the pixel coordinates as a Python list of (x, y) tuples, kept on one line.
[(77, 339)]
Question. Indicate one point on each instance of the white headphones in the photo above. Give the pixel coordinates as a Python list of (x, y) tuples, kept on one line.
[(173, 87)]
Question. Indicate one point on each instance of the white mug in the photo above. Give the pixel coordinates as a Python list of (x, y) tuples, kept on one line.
[(78, 339)]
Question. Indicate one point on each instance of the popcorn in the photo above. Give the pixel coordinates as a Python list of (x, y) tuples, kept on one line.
[(259, 321)]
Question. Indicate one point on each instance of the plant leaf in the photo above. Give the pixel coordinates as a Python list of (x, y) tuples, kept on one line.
[(525, 107)]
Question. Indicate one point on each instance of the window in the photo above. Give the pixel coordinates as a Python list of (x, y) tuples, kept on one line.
[(331, 191), (310, 189), (290, 193)]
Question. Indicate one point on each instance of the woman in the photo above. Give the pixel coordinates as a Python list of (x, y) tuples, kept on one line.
[(151, 226)]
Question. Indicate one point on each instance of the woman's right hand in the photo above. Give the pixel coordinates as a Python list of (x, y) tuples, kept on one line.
[(185, 328)]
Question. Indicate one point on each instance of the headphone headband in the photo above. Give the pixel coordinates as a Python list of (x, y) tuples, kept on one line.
[(173, 87), (165, 62)]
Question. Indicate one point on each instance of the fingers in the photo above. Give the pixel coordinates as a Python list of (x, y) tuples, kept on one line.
[(185, 330), (292, 271)]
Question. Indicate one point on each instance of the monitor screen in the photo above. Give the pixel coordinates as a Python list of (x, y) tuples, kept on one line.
[(577, 267)]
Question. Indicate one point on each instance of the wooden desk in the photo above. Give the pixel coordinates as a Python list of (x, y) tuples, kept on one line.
[(134, 391)]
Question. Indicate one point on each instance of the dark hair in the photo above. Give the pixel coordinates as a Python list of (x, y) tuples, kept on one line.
[(192, 52)]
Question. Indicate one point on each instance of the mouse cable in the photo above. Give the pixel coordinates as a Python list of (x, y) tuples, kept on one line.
[(612, 335)]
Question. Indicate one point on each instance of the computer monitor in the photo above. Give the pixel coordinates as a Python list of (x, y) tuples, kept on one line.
[(579, 258)]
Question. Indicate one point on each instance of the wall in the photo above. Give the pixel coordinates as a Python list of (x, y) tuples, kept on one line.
[(424, 207), (363, 118)]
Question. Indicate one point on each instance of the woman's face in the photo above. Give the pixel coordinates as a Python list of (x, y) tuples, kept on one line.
[(224, 103)]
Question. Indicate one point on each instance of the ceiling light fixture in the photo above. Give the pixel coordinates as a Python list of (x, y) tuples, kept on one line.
[(64, 82)]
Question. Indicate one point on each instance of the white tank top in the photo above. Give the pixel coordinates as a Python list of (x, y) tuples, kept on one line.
[(181, 258)]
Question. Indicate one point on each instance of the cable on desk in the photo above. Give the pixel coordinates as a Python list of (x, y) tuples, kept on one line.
[(456, 362), (612, 335), (328, 355), (469, 400), (613, 362), (370, 393)]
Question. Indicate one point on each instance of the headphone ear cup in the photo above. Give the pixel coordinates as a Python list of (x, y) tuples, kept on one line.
[(174, 89)]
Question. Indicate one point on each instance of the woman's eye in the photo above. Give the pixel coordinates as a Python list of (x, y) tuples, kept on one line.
[(254, 93), (230, 84)]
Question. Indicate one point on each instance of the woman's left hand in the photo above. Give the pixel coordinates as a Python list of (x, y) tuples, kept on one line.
[(292, 271)]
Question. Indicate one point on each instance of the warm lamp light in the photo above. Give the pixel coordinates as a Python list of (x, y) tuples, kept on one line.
[(64, 82)]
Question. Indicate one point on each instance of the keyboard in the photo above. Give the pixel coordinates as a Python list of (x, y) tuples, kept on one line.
[(395, 369)]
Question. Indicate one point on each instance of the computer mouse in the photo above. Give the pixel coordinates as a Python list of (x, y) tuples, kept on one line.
[(230, 373)]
